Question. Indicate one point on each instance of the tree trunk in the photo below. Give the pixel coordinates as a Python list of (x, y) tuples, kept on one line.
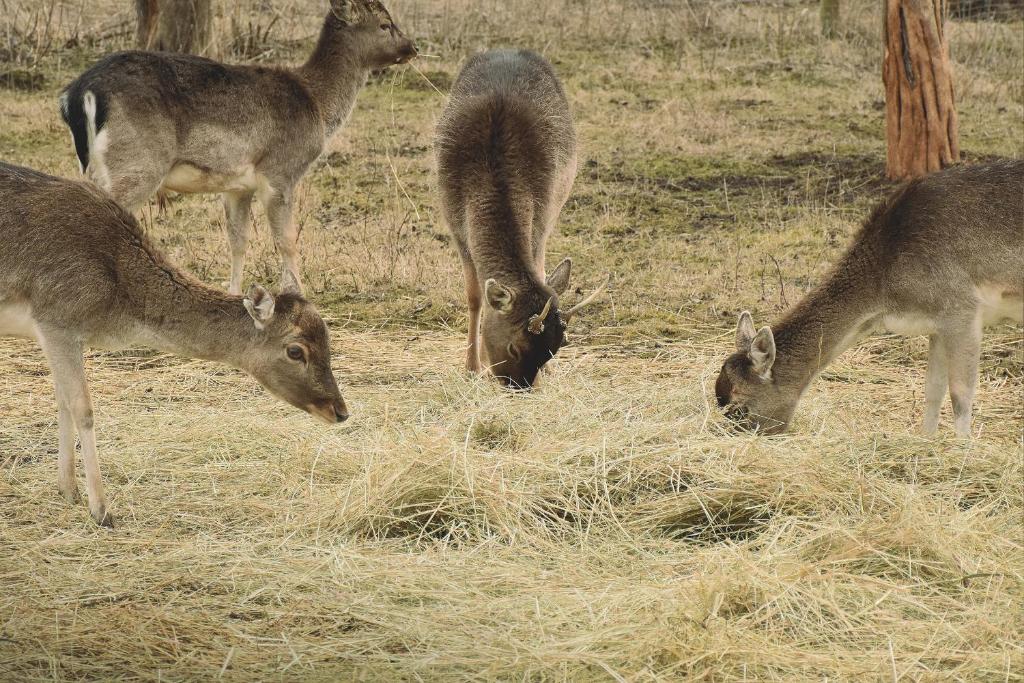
[(145, 26), (920, 110), (174, 25), (829, 18)]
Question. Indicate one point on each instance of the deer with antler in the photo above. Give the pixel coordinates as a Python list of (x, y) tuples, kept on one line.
[(506, 152)]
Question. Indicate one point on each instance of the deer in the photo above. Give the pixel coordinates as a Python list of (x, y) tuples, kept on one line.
[(506, 162), (149, 122), (943, 256), (77, 271)]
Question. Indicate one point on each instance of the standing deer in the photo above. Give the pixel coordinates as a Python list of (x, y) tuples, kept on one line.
[(506, 157), (144, 122), (943, 256), (76, 270)]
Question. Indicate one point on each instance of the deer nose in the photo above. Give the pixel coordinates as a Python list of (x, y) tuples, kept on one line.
[(340, 411), (517, 386), (408, 54)]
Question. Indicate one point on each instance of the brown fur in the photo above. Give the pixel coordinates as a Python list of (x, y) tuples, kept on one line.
[(190, 124), (88, 276), (506, 150), (942, 256)]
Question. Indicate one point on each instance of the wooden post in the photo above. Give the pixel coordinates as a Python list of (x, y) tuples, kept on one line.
[(145, 15), (920, 111), (829, 18), (174, 25)]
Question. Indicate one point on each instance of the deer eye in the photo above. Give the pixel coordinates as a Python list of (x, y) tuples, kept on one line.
[(385, 27), (513, 351), (295, 352)]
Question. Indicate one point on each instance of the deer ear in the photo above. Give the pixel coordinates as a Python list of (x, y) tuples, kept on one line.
[(499, 297), (260, 305), (559, 278), (745, 332), (343, 10), (762, 352)]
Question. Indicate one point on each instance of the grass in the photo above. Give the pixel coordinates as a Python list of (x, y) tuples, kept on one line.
[(605, 527)]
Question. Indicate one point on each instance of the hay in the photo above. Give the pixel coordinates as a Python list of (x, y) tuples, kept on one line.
[(606, 527), (620, 536)]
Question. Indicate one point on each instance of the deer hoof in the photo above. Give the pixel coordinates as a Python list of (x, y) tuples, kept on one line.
[(103, 518), (71, 494)]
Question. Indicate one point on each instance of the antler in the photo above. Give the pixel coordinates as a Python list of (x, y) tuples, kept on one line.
[(567, 316), (536, 324)]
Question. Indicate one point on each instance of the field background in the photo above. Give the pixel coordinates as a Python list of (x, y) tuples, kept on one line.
[(605, 527)]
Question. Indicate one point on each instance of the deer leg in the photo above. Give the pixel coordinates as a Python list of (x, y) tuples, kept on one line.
[(286, 235), (133, 190), (545, 224), (238, 210), (935, 384), (131, 177), (66, 483), (474, 297), (65, 356), (963, 358)]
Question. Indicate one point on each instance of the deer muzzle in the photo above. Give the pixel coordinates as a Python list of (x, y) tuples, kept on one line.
[(408, 53), (330, 411)]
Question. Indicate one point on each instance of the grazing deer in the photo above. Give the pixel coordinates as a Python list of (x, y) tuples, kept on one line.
[(943, 256), (76, 270), (144, 122), (506, 156)]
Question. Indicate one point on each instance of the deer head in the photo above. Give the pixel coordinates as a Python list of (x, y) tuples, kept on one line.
[(292, 356), (524, 328), (368, 26), (746, 387)]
